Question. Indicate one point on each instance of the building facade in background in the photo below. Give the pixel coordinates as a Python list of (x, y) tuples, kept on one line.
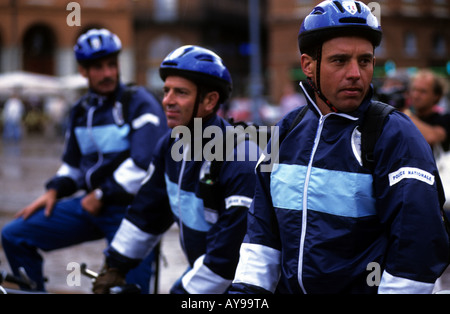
[(416, 34), (35, 36)]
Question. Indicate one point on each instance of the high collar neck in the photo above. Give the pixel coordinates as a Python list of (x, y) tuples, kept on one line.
[(312, 102), (96, 99)]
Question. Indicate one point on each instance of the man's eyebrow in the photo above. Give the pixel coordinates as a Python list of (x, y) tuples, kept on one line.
[(348, 56), (339, 56)]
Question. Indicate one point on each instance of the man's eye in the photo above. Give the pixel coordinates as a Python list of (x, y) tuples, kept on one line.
[(339, 61)]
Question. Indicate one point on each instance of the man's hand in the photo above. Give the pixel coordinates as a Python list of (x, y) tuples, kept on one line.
[(46, 200), (91, 204), (108, 278)]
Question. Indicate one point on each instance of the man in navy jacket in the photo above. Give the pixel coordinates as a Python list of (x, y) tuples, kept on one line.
[(113, 130), (211, 211), (320, 222)]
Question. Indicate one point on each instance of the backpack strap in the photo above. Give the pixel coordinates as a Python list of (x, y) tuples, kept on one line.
[(125, 100), (295, 122), (371, 128)]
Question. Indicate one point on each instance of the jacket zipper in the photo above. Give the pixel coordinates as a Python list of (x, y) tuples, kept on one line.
[(180, 181), (305, 203), (99, 162)]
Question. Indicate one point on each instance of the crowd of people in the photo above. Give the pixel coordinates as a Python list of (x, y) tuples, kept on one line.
[(355, 182)]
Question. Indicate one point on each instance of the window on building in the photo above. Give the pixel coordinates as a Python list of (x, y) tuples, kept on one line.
[(381, 50), (39, 45), (158, 49), (166, 10), (439, 45), (410, 44)]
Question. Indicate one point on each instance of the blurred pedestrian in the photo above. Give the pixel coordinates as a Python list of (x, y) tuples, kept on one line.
[(394, 90), (12, 116), (426, 91), (113, 131)]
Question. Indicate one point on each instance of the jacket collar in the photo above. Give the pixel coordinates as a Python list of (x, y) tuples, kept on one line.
[(94, 99), (354, 115)]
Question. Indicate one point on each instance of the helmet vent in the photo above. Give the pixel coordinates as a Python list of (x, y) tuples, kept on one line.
[(317, 11), (170, 63), (352, 20), (339, 6), (204, 57)]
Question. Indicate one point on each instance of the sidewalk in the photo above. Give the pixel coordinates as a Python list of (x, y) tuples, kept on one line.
[(24, 169)]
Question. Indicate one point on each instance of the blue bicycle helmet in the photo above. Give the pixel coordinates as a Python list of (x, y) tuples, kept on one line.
[(199, 65), (331, 19), (95, 44)]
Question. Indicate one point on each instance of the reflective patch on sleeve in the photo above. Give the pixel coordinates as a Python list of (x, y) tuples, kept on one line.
[(410, 173), (238, 200), (144, 119)]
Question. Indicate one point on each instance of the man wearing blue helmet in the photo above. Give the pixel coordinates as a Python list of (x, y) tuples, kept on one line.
[(211, 214), (109, 144), (323, 220)]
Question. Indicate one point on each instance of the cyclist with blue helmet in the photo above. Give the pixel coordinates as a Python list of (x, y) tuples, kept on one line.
[(212, 221), (109, 144), (322, 221)]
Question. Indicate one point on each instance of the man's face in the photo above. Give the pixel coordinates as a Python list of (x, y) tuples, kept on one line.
[(422, 95), (102, 74), (179, 99), (346, 71)]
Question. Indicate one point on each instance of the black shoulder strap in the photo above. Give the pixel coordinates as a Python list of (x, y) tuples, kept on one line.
[(216, 165), (371, 128), (125, 100), (295, 122)]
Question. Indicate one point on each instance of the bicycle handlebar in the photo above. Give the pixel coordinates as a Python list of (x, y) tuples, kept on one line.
[(124, 289)]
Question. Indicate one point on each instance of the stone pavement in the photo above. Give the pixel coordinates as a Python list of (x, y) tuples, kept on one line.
[(23, 170)]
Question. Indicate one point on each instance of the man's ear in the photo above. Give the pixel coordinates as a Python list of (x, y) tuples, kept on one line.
[(83, 70), (308, 65), (210, 101)]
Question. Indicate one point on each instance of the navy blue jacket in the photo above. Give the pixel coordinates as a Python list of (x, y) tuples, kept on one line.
[(210, 237), (105, 149), (322, 223)]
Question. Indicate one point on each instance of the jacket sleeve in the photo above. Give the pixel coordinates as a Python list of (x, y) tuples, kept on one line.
[(147, 125), (409, 203), (148, 217), (259, 263)]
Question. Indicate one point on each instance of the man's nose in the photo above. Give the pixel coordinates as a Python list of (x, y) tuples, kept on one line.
[(168, 98), (353, 70)]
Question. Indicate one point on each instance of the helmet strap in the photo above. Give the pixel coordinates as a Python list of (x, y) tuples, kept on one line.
[(317, 88), (190, 124)]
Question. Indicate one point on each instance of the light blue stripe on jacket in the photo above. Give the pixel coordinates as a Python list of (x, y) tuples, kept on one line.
[(333, 192), (108, 138), (187, 207)]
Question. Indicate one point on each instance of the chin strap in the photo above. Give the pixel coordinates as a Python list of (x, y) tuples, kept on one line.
[(317, 88)]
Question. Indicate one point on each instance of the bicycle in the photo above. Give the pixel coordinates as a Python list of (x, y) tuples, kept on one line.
[(28, 286), (123, 289), (22, 280)]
